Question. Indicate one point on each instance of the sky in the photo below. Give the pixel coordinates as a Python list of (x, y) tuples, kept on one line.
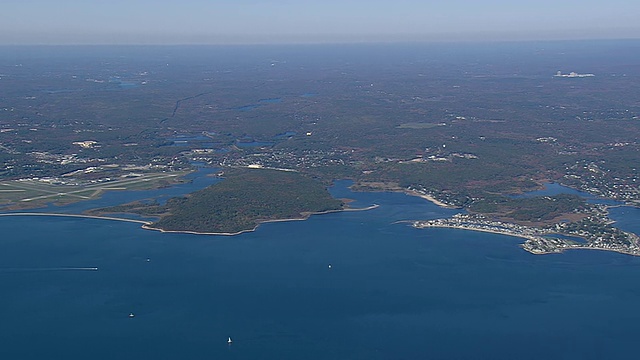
[(311, 21)]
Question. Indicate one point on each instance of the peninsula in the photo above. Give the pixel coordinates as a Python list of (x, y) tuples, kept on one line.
[(246, 198), (590, 233)]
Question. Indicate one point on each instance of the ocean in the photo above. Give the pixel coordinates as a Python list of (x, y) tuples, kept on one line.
[(349, 285)]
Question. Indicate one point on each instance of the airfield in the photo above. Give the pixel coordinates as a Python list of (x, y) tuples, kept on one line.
[(35, 192)]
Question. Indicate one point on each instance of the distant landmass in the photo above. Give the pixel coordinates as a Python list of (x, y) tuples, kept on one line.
[(465, 127)]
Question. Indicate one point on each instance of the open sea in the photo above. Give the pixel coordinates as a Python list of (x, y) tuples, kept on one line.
[(349, 285)]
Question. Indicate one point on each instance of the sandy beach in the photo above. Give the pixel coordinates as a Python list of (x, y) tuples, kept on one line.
[(428, 197), (78, 216)]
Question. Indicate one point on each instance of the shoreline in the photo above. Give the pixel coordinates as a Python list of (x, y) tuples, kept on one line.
[(522, 236), (260, 222), (77, 216), (147, 224), (429, 198), (398, 189), (528, 237), (593, 248)]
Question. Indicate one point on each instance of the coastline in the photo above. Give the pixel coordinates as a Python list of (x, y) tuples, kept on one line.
[(522, 236), (147, 224), (77, 216), (375, 187), (537, 243), (524, 246), (304, 216), (429, 198)]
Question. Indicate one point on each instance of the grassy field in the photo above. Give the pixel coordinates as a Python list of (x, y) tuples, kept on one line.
[(36, 192)]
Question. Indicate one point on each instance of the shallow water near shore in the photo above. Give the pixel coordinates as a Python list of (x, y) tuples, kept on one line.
[(392, 292)]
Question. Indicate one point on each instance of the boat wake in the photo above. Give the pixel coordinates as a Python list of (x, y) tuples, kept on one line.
[(49, 269)]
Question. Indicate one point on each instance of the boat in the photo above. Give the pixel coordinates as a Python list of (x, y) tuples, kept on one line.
[(229, 341), (131, 315)]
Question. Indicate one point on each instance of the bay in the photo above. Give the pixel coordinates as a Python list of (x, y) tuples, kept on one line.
[(392, 291)]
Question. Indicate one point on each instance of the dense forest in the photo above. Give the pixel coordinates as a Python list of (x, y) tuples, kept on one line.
[(240, 202)]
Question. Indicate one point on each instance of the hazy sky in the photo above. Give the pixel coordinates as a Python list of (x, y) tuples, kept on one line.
[(249, 21)]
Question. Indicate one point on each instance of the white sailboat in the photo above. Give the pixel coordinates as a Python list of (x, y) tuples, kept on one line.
[(229, 341)]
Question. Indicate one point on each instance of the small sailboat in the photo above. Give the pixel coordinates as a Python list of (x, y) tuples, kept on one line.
[(131, 315), (229, 341)]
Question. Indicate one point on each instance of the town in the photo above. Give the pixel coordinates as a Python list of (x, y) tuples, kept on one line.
[(551, 239)]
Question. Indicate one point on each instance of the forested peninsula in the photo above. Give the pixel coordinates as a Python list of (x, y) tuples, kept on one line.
[(243, 200)]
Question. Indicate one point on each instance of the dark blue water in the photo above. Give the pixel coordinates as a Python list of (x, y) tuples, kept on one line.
[(567, 237), (60, 91), (393, 292), (127, 85), (626, 218), (270, 101), (285, 135), (551, 189), (247, 107), (248, 144), (123, 84), (187, 138), (260, 103)]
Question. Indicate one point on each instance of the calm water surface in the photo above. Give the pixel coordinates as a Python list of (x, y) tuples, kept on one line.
[(392, 292)]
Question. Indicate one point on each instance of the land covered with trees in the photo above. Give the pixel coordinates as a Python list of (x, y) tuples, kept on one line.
[(462, 124), (244, 199)]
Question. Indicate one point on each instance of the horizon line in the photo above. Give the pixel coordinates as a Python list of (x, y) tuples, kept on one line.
[(329, 42)]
